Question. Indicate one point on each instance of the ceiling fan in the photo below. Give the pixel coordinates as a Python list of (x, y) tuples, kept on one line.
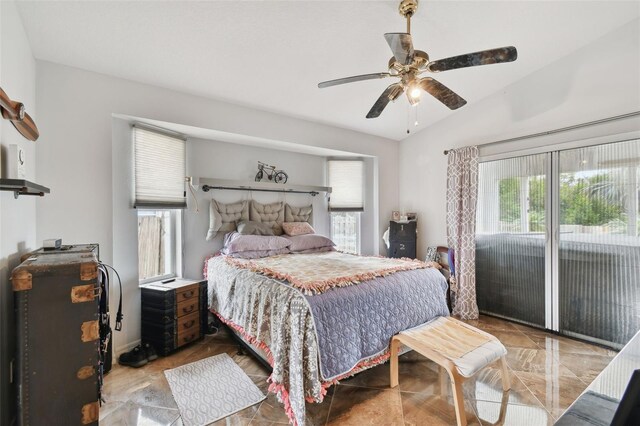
[(14, 111), (408, 65)]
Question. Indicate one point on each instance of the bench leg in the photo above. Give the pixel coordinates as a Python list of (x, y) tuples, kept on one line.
[(506, 381), (395, 348), (444, 382), (458, 397)]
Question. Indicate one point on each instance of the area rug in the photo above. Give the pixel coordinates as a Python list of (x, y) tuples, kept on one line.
[(211, 389)]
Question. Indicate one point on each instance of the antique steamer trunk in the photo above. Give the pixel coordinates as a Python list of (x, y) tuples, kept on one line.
[(173, 314), (57, 312)]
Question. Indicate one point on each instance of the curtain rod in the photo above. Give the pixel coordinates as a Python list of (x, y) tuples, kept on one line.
[(560, 130), (207, 188)]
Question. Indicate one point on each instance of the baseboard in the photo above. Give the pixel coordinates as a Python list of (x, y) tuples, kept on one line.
[(125, 348)]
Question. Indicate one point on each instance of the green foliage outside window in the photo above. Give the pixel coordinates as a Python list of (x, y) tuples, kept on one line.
[(589, 201)]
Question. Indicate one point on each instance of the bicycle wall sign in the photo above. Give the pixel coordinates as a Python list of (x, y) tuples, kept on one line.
[(270, 172)]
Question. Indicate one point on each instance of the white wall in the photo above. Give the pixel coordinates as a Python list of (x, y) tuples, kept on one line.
[(77, 153), (17, 217), (228, 161), (597, 81)]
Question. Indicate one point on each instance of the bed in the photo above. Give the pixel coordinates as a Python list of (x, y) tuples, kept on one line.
[(321, 317)]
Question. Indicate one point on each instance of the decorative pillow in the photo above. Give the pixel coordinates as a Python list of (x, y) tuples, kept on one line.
[(249, 227), (298, 214), (235, 242), (316, 250), (271, 214), (297, 228), (223, 217), (256, 254), (308, 242)]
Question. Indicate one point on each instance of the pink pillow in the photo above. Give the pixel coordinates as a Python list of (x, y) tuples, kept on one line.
[(297, 228)]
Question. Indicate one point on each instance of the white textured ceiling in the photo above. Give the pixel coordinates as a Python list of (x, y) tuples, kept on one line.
[(271, 54)]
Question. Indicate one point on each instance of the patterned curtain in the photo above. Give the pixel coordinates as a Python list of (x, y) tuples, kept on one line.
[(462, 197)]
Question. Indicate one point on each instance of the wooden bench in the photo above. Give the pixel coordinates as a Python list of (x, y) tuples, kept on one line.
[(458, 348)]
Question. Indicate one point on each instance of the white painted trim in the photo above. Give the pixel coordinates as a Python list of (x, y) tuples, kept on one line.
[(548, 248), (576, 143), (555, 240)]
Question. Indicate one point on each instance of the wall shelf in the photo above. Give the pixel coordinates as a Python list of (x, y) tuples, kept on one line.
[(208, 184), (23, 187)]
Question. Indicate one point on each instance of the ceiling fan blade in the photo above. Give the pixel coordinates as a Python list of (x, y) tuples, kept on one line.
[(391, 93), (353, 79), (401, 46), (485, 57), (26, 126), (441, 93)]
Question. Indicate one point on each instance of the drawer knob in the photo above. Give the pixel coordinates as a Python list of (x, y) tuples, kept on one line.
[(188, 294), (186, 310), (189, 324), (189, 338)]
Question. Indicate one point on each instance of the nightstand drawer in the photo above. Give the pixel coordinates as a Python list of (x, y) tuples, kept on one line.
[(187, 293), (187, 307), (188, 322), (188, 335)]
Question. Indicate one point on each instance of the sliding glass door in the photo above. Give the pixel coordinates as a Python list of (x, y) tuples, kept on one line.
[(558, 242), (510, 241), (598, 242)]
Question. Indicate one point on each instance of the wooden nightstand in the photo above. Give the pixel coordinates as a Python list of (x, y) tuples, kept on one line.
[(173, 314)]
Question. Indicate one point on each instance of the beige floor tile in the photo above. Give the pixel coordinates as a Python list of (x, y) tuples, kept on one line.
[(365, 406), (495, 413), (157, 394), (536, 361), (487, 386), (271, 410), (556, 393), (514, 339), (132, 414), (586, 368), (488, 323), (424, 409)]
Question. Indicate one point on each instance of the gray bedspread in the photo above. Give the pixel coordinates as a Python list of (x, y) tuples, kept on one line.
[(356, 322), (314, 339)]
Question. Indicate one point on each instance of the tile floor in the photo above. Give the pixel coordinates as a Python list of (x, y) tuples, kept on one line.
[(547, 373)]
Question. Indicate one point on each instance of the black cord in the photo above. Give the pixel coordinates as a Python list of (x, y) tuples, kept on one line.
[(118, 326)]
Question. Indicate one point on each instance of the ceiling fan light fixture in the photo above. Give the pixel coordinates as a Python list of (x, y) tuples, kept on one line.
[(409, 64)]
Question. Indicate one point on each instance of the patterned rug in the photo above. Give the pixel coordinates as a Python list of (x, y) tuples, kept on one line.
[(210, 389)]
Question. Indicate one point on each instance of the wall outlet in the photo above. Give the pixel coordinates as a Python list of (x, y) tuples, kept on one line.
[(16, 163)]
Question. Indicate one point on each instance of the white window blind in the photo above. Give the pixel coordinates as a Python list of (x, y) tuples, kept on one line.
[(346, 179), (160, 169)]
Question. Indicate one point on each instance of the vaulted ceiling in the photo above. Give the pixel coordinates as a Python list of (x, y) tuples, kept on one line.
[(270, 55)]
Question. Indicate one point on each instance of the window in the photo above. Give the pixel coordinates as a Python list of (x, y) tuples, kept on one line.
[(160, 169), (346, 179), (159, 244), (557, 241), (159, 193), (345, 231)]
